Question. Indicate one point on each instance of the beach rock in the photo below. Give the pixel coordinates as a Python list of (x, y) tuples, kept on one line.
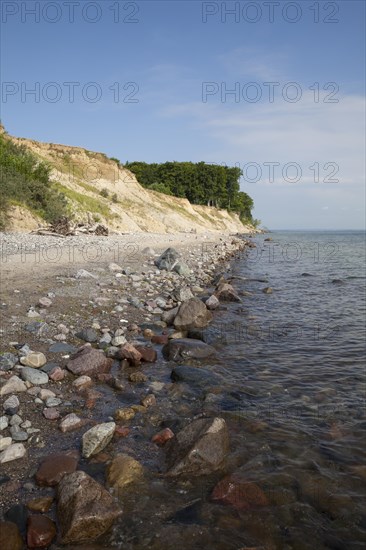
[(10, 537), (119, 341), (137, 377), (180, 349), (13, 452), (242, 495), (114, 267), (53, 402), (13, 385), (169, 316), (71, 422), (212, 302), (267, 290), (195, 376), (131, 354), (98, 437), (5, 442), (168, 259), (82, 383), (85, 509), (4, 422), (41, 504), (88, 335), (54, 467), (149, 400), (57, 374), (182, 294), (44, 394), (44, 302), (148, 354), (192, 314), (11, 405), (199, 449), (8, 361), (34, 376), (51, 413), (89, 361), (62, 347), (162, 437), (160, 339), (34, 359), (226, 293), (17, 434), (182, 269), (124, 414), (123, 470), (41, 531)]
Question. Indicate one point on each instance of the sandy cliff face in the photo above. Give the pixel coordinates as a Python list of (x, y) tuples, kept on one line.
[(129, 207)]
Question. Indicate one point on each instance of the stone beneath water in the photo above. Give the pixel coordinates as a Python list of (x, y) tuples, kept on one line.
[(239, 493), (195, 376), (98, 437), (54, 467), (10, 538), (192, 314), (123, 470), (85, 509), (179, 349), (41, 531), (199, 449)]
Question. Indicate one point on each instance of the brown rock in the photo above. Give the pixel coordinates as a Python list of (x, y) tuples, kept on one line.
[(54, 467), (267, 290), (57, 374), (91, 398), (148, 333), (51, 413), (241, 494), (192, 314), (85, 509), (89, 361), (148, 355), (71, 422), (160, 339), (226, 293), (10, 538), (123, 470), (130, 354), (41, 531), (41, 504), (149, 400), (124, 414), (122, 431), (137, 377), (82, 383), (162, 437)]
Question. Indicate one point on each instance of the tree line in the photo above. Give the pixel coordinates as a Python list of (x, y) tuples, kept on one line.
[(200, 183)]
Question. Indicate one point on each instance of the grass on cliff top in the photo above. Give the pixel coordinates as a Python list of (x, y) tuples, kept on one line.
[(87, 203)]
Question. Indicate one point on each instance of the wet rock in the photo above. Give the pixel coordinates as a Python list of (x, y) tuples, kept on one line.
[(97, 438), (11, 405), (34, 376), (131, 354), (137, 377), (149, 400), (41, 504), (199, 449), (13, 385), (212, 302), (71, 422), (54, 467), (34, 359), (51, 413), (168, 259), (241, 494), (13, 452), (10, 538), (160, 339), (89, 361), (195, 376), (8, 361), (180, 349), (57, 374), (226, 293), (148, 355), (122, 431), (85, 509), (18, 514), (169, 316), (267, 290), (162, 437), (192, 314), (41, 531), (88, 335), (123, 470), (124, 414)]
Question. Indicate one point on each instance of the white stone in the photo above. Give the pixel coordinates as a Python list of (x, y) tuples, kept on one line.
[(34, 359), (13, 385), (98, 437), (13, 452), (5, 442), (4, 422)]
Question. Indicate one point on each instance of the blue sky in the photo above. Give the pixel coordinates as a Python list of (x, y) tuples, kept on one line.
[(151, 81)]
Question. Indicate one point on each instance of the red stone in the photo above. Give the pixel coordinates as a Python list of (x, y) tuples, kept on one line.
[(160, 339), (148, 355), (91, 398), (121, 431), (241, 494), (162, 437), (40, 532), (54, 467), (89, 361), (130, 353), (57, 374)]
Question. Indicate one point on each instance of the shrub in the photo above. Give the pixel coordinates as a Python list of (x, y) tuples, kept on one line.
[(114, 197), (104, 193)]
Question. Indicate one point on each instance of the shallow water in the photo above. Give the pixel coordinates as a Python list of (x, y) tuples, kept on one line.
[(293, 394)]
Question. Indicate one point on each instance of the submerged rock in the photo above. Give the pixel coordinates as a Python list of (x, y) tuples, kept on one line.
[(226, 293), (123, 470), (192, 314), (41, 531), (195, 376), (85, 509), (10, 537), (239, 493), (54, 467), (199, 449), (179, 349)]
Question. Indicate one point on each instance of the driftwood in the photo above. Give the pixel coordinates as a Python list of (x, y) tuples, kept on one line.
[(63, 228)]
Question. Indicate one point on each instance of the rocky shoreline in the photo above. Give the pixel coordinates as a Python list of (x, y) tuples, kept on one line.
[(83, 369)]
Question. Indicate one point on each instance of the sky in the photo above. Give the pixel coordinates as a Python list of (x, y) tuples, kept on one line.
[(275, 87)]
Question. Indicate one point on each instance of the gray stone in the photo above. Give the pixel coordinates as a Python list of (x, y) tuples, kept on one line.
[(182, 269), (11, 404), (7, 361), (98, 437), (4, 422), (34, 376), (4, 443), (13, 385), (15, 420), (17, 434), (53, 402), (169, 316), (88, 335), (226, 293), (168, 259), (180, 349), (62, 347), (83, 274), (192, 314), (182, 294), (212, 302), (45, 302)]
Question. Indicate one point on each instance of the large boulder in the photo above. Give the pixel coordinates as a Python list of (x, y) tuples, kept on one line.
[(89, 361), (199, 449), (192, 314), (226, 293), (180, 349), (168, 259), (85, 509)]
